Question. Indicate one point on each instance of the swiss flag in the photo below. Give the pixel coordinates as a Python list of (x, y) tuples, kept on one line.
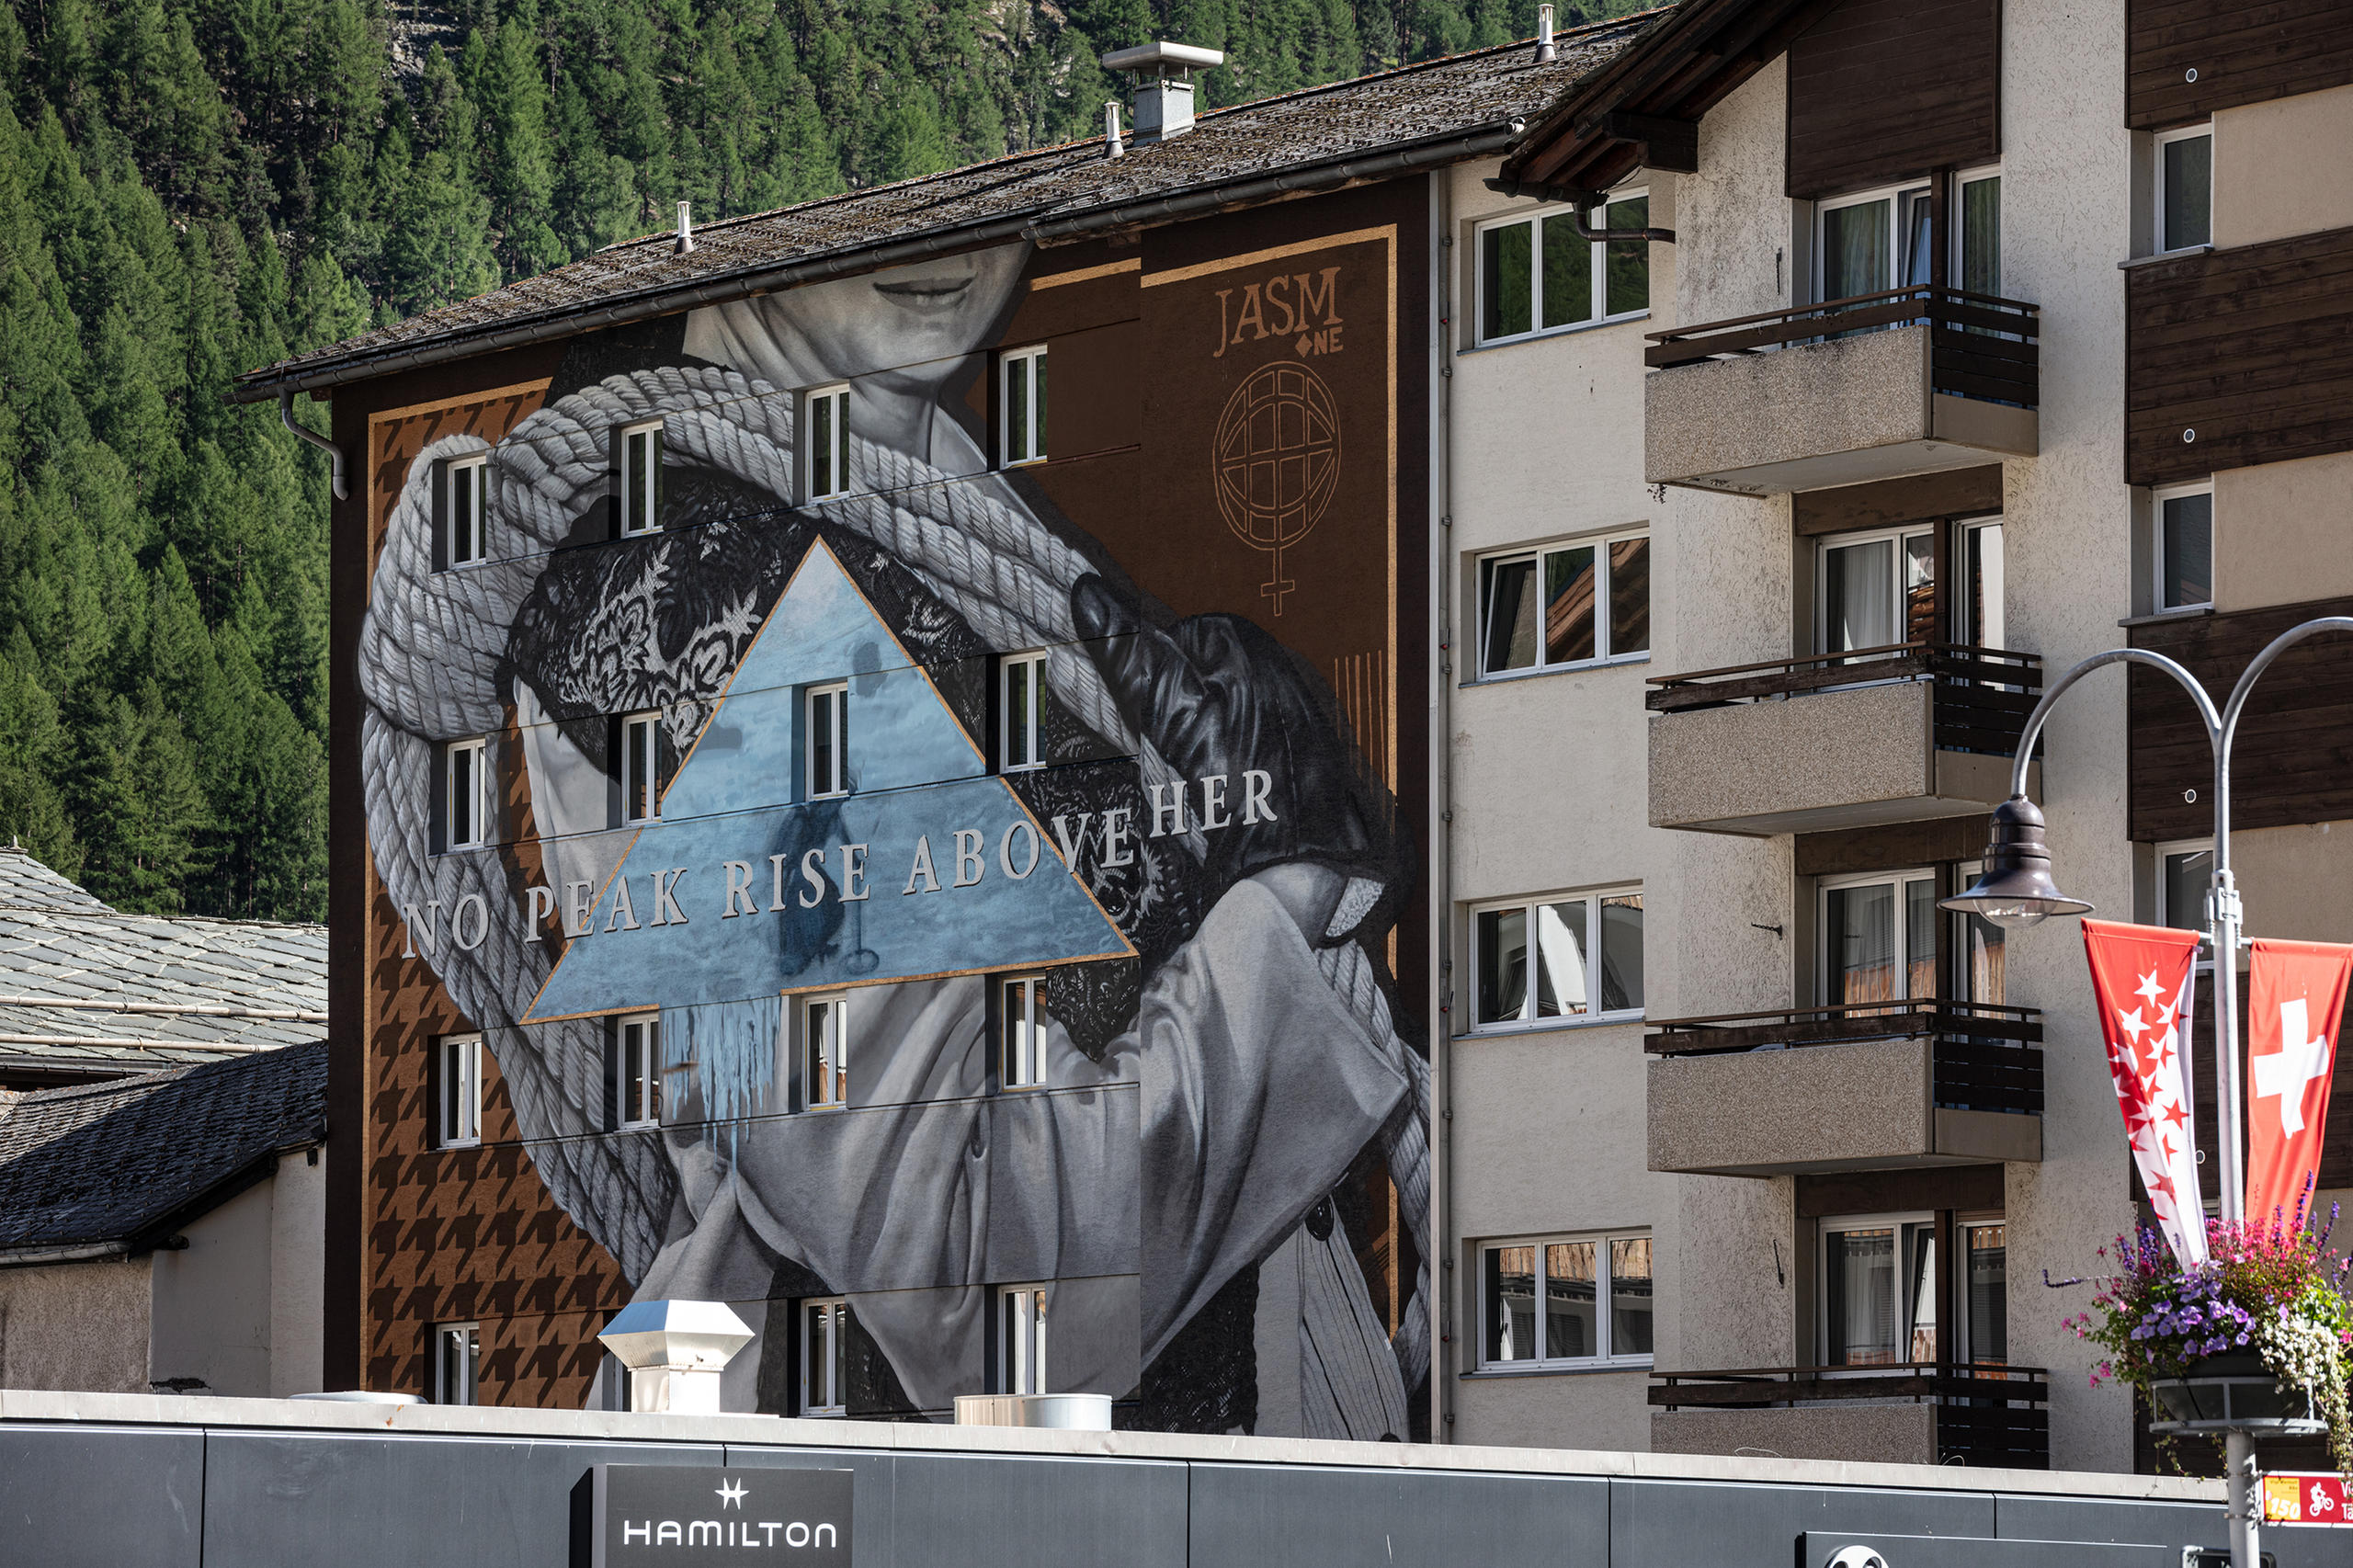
[(2295, 994), (2143, 978)]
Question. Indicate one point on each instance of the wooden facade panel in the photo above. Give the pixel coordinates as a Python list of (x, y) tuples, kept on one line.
[(2238, 356), (2294, 759), (1885, 90), (2184, 59)]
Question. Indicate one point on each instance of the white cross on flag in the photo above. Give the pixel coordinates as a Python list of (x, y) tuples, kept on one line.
[(2143, 980), (2295, 992)]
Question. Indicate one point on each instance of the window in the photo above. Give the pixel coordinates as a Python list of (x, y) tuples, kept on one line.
[(1021, 1339), (1984, 1315), (464, 510), (1878, 1290), (1979, 944), (640, 478), (2185, 553), (1980, 239), (641, 788), (1596, 1293), (1538, 274), (1878, 937), (1021, 1051), (457, 1363), (459, 1093), (825, 1051), (2185, 188), (826, 739), (1978, 619), (1021, 407), (1877, 590), (824, 443), (638, 1068), (1544, 610), (1875, 241), (1563, 983), (2185, 872), (1021, 687), (824, 1356), (466, 786)]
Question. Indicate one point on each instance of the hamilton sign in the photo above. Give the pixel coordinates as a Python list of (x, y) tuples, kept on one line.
[(651, 1516)]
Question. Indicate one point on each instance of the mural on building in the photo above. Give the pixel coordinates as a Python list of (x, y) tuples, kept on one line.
[(1205, 1111)]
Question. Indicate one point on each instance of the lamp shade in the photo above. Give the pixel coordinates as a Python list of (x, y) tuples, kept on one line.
[(2016, 889)]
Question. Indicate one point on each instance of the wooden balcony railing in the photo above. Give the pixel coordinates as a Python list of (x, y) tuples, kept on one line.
[(1985, 1056), (1979, 346), (1988, 1415), (1983, 695)]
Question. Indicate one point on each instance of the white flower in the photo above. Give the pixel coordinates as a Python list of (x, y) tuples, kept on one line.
[(2301, 1351)]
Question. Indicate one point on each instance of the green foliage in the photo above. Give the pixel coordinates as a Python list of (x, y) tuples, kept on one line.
[(193, 187)]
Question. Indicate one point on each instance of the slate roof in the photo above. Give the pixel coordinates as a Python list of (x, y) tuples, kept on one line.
[(1239, 148), (85, 988), (113, 1165)]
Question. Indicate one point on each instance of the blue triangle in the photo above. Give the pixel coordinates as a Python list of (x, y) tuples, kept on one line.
[(917, 780)]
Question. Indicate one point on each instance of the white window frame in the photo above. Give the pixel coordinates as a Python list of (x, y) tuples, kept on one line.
[(641, 768), (640, 485), (1027, 671), (466, 477), (2162, 140), (1604, 1325), (2158, 562), (824, 1088), (1528, 1018), (834, 724), (832, 457), (1598, 315), (465, 799), (1894, 1220), (1894, 195), (1020, 1001), (1898, 879), (644, 1075), (465, 1338), (1022, 1312), (458, 1107), (1022, 365), (824, 1330), (1604, 652), (2157, 902), (1956, 621), (1959, 224), (1825, 543)]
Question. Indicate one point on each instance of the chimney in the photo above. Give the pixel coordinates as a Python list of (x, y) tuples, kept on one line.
[(1113, 147), (686, 230), (1164, 84), (1545, 50)]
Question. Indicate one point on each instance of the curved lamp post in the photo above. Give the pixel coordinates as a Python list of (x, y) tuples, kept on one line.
[(2016, 891)]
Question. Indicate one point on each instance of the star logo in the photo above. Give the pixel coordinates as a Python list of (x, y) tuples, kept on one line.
[(2148, 988), (731, 1494), (2132, 1023)]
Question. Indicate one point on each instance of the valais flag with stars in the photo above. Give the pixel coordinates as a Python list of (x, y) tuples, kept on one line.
[(2295, 992), (2142, 980)]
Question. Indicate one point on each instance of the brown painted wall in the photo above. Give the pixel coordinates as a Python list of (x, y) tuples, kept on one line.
[(2250, 348), (2242, 55), (1886, 90)]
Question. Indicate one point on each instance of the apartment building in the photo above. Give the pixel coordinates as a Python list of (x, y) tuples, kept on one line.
[(1990, 336)]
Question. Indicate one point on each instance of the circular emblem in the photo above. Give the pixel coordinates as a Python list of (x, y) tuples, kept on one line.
[(1275, 462)]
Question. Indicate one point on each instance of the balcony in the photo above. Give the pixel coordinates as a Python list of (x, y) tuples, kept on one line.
[(1917, 1412), (1800, 745), (1878, 386), (1861, 1086)]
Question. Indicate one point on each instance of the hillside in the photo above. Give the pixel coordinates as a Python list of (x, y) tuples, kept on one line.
[(191, 188)]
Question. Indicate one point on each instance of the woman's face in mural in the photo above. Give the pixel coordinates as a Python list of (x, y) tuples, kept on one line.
[(903, 331)]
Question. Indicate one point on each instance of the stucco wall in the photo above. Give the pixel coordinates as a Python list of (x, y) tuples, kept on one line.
[(2280, 529), (76, 1325), (212, 1298), (297, 1275), (2280, 169)]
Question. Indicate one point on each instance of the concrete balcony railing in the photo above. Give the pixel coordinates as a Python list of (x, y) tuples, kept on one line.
[(1878, 386), (1900, 734), (1918, 1413), (1861, 1086)]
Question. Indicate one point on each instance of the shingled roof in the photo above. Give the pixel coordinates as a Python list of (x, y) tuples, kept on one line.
[(1378, 126), (85, 989), (99, 1169)]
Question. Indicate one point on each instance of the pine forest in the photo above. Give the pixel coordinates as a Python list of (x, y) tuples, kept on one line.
[(190, 188)]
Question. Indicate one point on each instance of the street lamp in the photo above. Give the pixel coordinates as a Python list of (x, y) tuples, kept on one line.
[(2016, 891)]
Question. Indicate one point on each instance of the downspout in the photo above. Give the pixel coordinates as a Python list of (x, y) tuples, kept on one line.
[(303, 433), (1439, 826)]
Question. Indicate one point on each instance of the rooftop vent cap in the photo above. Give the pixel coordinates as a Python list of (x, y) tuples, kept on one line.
[(1545, 50), (1164, 99), (685, 228)]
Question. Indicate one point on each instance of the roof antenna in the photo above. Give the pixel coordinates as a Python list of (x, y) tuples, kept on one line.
[(1114, 147), (686, 230), (1545, 50)]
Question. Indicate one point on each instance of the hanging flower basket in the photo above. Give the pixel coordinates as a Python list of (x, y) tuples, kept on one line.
[(2221, 1392)]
